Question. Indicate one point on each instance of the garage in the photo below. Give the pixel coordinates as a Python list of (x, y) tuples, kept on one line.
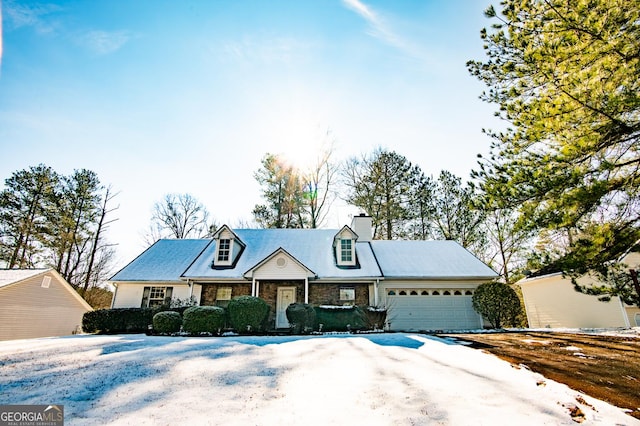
[(432, 309)]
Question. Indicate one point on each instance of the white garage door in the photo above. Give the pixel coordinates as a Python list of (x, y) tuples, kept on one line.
[(415, 310)]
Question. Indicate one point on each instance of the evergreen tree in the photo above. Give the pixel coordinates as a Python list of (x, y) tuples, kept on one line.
[(284, 194), (565, 77), (26, 208), (382, 184)]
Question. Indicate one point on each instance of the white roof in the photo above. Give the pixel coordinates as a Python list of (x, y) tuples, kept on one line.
[(429, 259), (10, 276)]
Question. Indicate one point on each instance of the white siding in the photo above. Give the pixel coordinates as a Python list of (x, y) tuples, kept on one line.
[(552, 302), (28, 310), (633, 314), (129, 295), (197, 292), (281, 267)]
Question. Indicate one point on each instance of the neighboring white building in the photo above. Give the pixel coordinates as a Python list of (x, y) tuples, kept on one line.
[(38, 303), (552, 302), (426, 285)]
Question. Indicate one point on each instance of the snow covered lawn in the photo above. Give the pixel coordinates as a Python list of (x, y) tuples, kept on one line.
[(377, 379)]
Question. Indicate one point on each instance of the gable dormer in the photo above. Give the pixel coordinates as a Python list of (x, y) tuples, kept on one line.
[(228, 248), (344, 246)]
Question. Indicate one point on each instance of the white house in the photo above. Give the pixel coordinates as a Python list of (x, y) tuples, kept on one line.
[(38, 303), (426, 285)]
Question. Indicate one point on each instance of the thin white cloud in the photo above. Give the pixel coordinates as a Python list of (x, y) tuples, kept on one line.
[(22, 15), (266, 50), (103, 42), (380, 29)]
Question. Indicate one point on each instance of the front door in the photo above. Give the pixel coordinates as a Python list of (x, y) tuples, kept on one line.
[(286, 296)]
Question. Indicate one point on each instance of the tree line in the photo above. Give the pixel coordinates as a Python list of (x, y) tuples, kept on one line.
[(59, 221)]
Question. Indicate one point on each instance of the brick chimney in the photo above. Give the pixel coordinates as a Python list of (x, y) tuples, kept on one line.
[(362, 225)]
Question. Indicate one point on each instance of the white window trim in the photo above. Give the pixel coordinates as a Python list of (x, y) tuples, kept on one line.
[(229, 257), (156, 299), (341, 262)]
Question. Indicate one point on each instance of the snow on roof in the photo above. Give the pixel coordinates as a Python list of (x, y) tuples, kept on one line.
[(311, 247), (171, 260), (429, 259), (10, 276), (163, 261)]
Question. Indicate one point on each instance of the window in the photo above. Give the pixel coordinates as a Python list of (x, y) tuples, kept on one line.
[(346, 251), (344, 248), (391, 293), (414, 293), (224, 248), (424, 293), (223, 295), (46, 281), (347, 293), (155, 296)]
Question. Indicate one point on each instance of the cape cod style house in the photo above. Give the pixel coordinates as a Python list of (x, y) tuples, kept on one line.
[(425, 285)]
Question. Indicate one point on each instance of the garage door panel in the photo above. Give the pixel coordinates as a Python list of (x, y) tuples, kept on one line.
[(432, 313)]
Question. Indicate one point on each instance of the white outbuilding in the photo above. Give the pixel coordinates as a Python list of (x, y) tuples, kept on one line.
[(38, 303)]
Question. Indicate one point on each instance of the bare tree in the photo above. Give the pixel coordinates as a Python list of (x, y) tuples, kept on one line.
[(180, 216), (318, 187), (100, 253)]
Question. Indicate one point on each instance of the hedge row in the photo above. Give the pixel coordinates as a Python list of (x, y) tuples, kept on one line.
[(304, 318), (244, 315)]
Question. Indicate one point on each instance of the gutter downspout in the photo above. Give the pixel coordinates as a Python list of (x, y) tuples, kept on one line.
[(306, 289), (253, 286), (115, 293)]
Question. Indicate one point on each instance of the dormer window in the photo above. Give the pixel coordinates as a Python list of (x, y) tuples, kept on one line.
[(224, 249), (228, 248), (344, 244), (346, 251)]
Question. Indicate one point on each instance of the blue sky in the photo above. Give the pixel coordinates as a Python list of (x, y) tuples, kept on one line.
[(164, 97)]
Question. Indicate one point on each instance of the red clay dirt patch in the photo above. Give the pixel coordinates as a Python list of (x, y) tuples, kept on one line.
[(604, 367)]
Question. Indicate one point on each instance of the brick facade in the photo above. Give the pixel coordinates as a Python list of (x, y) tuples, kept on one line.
[(209, 292), (329, 294), (319, 293)]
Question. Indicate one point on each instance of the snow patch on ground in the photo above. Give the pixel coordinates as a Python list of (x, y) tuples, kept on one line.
[(375, 379)]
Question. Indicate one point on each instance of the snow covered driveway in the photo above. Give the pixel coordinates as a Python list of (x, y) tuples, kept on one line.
[(377, 379)]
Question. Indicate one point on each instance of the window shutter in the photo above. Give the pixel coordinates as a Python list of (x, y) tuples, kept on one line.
[(145, 297), (167, 295)]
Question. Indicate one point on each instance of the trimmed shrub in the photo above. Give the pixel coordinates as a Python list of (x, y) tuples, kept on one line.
[(248, 314), (167, 322), (340, 318), (119, 320), (376, 317), (302, 318), (498, 303), (203, 319)]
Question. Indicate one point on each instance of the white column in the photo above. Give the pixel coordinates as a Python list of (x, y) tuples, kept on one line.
[(376, 299), (306, 290)]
